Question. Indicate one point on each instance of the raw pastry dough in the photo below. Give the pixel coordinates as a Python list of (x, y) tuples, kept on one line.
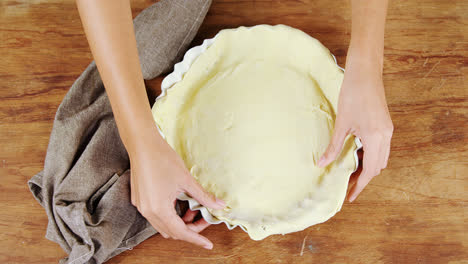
[(250, 119)]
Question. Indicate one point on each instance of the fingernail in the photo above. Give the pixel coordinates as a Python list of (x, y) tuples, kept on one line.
[(220, 202), (208, 246)]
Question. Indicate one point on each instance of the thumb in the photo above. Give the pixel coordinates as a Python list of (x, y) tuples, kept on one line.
[(334, 148), (206, 199)]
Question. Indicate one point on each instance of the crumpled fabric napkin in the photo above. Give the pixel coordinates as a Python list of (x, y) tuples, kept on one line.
[(84, 187)]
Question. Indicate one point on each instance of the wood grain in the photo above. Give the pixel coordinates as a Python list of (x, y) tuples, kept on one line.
[(414, 212)]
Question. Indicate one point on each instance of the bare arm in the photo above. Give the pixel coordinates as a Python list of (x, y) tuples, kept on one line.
[(362, 108), (158, 174), (109, 29), (367, 34)]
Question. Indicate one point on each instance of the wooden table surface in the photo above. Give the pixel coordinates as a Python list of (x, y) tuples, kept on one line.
[(414, 212)]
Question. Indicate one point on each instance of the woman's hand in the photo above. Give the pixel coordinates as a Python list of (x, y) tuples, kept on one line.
[(158, 176), (362, 111)]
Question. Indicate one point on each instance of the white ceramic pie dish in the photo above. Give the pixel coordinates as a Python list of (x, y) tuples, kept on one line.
[(176, 76)]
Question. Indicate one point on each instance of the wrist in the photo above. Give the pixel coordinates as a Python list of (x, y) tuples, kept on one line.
[(365, 55), (138, 132), (362, 61)]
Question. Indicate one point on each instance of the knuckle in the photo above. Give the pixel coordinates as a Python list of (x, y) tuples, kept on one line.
[(154, 209), (389, 131), (391, 128), (375, 172), (371, 173), (177, 236), (181, 234), (384, 165), (143, 210), (378, 134), (146, 211)]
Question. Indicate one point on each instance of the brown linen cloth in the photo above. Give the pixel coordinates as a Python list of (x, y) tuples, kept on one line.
[(84, 186)]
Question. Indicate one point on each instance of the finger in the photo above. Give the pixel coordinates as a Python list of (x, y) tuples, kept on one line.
[(361, 182), (383, 154), (133, 192), (180, 231), (387, 153), (334, 147), (158, 226), (199, 225), (370, 169), (198, 193), (133, 197), (189, 216), (155, 221), (164, 234)]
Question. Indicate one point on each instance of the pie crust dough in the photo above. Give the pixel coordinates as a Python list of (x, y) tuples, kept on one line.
[(250, 119)]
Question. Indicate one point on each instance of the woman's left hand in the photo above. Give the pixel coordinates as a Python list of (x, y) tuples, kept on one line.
[(363, 112)]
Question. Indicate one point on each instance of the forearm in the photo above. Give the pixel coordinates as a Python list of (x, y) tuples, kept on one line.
[(109, 28), (367, 34)]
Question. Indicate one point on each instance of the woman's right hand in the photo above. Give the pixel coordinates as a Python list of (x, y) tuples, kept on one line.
[(158, 176)]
